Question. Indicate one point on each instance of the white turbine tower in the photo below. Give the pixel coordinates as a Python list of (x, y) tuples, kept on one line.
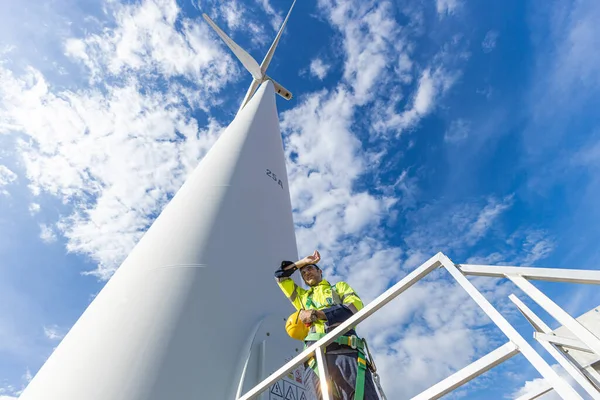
[(194, 312)]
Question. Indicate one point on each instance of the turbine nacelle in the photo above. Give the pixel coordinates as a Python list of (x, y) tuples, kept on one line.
[(258, 72)]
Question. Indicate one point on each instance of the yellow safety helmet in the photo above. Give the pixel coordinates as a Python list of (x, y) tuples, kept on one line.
[(296, 328)]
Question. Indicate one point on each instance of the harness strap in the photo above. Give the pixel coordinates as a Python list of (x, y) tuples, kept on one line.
[(354, 342), (359, 388), (351, 341)]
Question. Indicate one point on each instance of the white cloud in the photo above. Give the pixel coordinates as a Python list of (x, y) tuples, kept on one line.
[(533, 386), (489, 41), (27, 377), (408, 187), (240, 19), (539, 383), (442, 227), (486, 218), (405, 67), (523, 247), (116, 150), (588, 156), (276, 18), (318, 68), (53, 332), (320, 185), (425, 95), (34, 208), (432, 84), (362, 210), (233, 14), (6, 176), (146, 40), (576, 58), (491, 259), (47, 234), (371, 38), (536, 245), (458, 131), (447, 7), (8, 392)]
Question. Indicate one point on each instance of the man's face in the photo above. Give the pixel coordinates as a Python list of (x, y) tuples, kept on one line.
[(311, 275)]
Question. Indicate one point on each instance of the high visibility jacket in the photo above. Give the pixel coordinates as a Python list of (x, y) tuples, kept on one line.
[(321, 297)]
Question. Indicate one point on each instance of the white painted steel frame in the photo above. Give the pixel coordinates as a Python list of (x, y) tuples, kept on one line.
[(592, 374), (558, 355), (539, 274), (561, 341), (323, 375), (587, 337), (560, 385), (466, 374), (521, 345)]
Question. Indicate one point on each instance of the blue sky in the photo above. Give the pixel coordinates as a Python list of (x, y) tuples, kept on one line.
[(470, 128)]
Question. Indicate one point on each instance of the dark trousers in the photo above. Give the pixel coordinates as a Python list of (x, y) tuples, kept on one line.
[(342, 369)]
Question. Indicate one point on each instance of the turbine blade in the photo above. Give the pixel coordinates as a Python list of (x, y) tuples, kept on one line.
[(246, 59), (280, 90), (265, 64)]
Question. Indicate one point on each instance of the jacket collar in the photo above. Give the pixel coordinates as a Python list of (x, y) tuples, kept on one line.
[(323, 282)]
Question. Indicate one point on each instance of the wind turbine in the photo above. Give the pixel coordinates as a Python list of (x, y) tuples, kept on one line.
[(193, 311), (258, 72)]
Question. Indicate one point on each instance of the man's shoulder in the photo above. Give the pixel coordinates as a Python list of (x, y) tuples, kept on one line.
[(341, 285)]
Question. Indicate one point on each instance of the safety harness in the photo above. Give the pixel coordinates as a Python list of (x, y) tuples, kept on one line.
[(352, 341), (355, 343)]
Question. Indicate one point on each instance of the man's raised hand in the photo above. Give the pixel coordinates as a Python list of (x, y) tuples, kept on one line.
[(312, 259)]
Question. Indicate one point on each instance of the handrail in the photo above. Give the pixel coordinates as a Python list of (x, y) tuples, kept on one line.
[(382, 300)]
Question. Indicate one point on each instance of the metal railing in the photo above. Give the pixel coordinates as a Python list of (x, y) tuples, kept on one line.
[(517, 344)]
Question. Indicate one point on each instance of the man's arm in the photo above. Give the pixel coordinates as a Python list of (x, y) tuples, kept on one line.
[(349, 297)]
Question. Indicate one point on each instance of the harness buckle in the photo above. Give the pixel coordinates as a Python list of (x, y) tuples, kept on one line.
[(353, 341)]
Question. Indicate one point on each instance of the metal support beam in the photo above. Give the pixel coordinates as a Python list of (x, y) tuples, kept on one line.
[(540, 274), (558, 355), (323, 375), (559, 384), (587, 337), (594, 361), (593, 375), (561, 341), (538, 324), (471, 371)]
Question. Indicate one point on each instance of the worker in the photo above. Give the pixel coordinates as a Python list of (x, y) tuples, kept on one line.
[(324, 306)]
